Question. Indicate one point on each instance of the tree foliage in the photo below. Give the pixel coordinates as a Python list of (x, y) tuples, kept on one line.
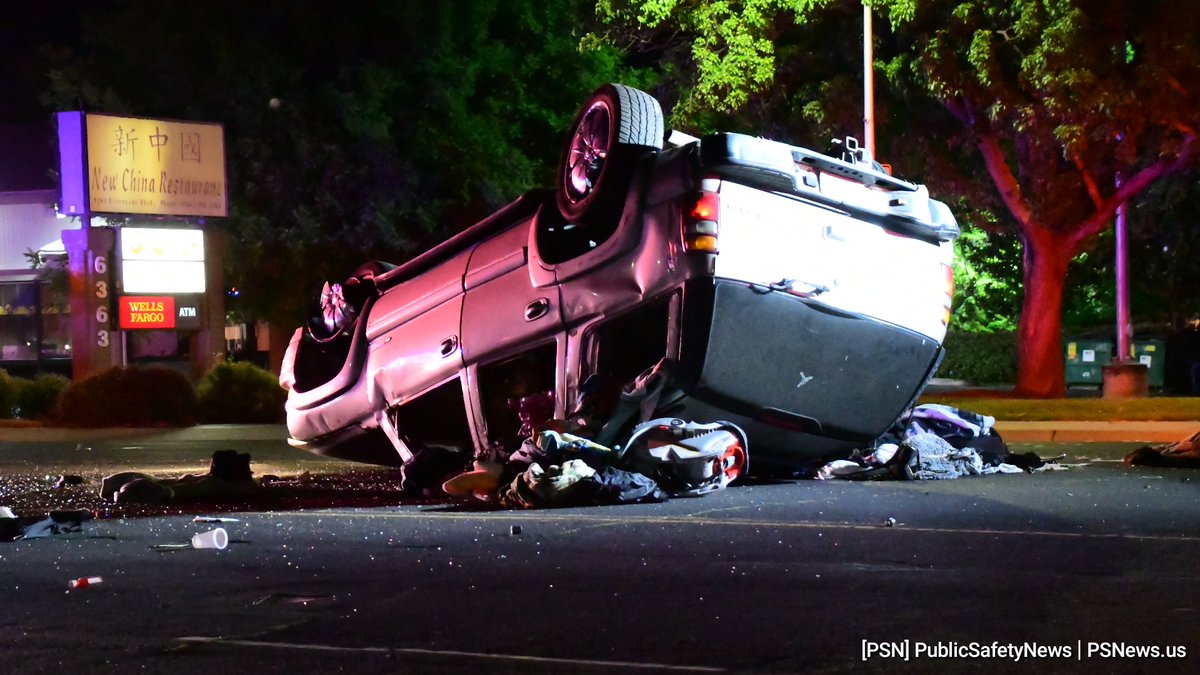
[(355, 131), (1073, 107)]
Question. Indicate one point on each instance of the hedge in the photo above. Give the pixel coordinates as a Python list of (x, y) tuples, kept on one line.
[(980, 358)]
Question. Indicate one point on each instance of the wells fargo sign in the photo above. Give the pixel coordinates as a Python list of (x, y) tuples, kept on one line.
[(146, 311), (142, 166)]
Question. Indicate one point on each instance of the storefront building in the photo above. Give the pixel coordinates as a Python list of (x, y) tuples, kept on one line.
[(35, 332), (105, 258)]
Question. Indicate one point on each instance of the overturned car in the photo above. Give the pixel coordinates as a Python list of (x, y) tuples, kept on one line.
[(799, 296)]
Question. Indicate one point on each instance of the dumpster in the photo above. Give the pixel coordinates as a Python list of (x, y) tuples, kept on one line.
[(1152, 354), (1084, 360)]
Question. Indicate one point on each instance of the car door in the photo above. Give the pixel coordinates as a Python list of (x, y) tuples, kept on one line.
[(502, 311), (414, 340)]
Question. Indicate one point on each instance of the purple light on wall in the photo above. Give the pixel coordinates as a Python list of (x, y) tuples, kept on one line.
[(72, 196)]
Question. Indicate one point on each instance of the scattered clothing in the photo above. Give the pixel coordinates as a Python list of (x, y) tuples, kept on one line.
[(946, 421), (36, 527), (541, 488), (577, 484), (934, 458), (1183, 454), (429, 467), (934, 442), (611, 485), (924, 456), (229, 476)]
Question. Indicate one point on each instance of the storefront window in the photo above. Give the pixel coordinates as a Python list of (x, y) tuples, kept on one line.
[(33, 317)]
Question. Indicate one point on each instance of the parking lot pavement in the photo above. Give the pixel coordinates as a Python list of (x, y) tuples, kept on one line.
[(803, 576)]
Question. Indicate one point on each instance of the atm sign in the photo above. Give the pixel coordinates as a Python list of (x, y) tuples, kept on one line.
[(146, 311)]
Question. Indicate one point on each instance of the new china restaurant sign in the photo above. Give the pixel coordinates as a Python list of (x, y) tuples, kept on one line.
[(141, 166)]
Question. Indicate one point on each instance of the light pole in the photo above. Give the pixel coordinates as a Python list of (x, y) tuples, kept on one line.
[(868, 83), (1124, 377), (1124, 325)]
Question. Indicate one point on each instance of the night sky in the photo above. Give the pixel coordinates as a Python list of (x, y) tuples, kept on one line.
[(25, 29)]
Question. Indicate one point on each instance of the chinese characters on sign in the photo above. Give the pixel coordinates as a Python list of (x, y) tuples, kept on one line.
[(142, 166)]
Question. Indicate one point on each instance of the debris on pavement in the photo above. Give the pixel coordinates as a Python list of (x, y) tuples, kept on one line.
[(84, 582), (934, 442), (216, 538), (67, 479), (13, 528), (229, 475), (1184, 454)]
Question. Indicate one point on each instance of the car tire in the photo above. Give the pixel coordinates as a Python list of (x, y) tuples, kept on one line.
[(614, 128)]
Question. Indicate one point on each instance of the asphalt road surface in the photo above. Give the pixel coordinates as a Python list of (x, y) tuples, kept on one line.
[(1088, 569)]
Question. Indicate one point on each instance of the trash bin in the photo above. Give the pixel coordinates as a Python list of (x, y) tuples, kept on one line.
[(1084, 360), (1153, 354)]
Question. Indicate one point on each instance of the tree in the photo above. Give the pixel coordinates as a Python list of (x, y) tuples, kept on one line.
[(353, 132), (1061, 100)]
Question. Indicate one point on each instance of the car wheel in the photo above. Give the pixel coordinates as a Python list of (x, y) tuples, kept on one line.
[(338, 305), (332, 314), (615, 127)]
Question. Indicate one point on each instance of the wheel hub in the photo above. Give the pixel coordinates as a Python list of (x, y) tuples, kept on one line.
[(589, 149)]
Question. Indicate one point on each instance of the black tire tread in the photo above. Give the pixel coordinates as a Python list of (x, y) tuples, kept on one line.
[(641, 119)]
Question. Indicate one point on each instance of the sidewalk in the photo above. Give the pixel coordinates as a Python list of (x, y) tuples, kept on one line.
[(200, 432), (1013, 432)]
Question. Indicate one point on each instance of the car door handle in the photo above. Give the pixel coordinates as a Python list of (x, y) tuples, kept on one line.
[(537, 309), (449, 345)]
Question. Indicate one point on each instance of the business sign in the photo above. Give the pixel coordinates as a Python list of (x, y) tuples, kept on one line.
[(146, 312), (132, 165), (162, 260), (143, 312)]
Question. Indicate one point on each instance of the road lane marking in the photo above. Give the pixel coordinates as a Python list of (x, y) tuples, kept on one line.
[(739, 522), (200, 639)]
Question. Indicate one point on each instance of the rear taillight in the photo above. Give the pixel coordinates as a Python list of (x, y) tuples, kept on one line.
[(700, 223), (948, 290)]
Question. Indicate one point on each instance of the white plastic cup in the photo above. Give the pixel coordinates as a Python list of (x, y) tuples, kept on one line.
[(6, 512), (217, 539)]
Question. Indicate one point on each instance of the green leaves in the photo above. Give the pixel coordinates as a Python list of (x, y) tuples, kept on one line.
[(731, 43), (356, 132)]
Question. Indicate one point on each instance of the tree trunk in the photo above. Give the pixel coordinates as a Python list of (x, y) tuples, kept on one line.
[(1040, 356)]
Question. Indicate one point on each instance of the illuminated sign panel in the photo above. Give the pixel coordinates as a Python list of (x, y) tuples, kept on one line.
[(162, 260), (143, 312), (156, 167)]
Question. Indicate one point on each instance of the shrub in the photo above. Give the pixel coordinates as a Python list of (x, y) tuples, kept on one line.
[(129, 396), (38, 398), (240, 393), (8, 394), (980, 358)]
